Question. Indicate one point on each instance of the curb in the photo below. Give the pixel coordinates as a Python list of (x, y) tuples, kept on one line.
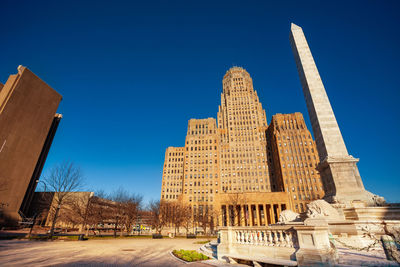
[(178, 259)]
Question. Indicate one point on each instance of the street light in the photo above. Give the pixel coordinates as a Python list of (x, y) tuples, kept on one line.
[(37, 182)]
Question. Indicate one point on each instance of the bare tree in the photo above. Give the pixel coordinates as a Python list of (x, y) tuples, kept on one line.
[(205, 217), (159, 215), (132, 207), (186, 213), (119, 197), (78, 209), (233, 206), (179, 214), (63, 179), (100, 210)]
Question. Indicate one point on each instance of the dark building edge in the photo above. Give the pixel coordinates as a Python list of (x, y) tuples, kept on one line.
[(39, 165)]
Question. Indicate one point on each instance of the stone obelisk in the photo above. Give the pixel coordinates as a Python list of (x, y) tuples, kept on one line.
[(339, 172)]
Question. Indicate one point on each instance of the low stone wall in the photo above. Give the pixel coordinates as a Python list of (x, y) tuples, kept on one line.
[(258, 241)]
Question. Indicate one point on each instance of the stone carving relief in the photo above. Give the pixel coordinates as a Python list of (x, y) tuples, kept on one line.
[(321, 209), (377, 200), (393, 236), (288, 216)]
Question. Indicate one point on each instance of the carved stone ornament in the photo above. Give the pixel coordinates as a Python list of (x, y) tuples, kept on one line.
[(322, 209), (288, 216)]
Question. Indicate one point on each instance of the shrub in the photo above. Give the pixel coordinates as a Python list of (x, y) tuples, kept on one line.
[(202, 242), (189, 255)]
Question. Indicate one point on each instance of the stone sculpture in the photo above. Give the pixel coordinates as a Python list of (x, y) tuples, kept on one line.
[(321, 209), (288, 216)]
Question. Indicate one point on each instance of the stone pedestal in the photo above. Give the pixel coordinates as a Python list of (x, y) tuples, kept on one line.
[(342, 181), (373, 213), (314, 245)]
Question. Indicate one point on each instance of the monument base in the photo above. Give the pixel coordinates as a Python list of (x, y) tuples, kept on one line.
[(343, 184), (315, 257), (360, 213)]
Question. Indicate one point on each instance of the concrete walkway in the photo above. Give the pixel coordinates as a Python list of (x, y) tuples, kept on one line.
[(119, 252)]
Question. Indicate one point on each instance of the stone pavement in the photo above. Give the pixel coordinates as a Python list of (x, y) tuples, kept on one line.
[(109, 252)]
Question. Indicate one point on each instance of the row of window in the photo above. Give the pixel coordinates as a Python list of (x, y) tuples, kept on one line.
[(202, 132), (173, 154)]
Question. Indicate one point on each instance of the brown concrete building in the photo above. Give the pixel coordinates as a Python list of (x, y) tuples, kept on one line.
[(223, 170), (28, 122), (293, 160)]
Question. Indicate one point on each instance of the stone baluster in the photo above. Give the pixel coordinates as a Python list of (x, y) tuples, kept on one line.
[(265, 240), (281, 241), (289, 239), (257, 239), (284, 239), (276, 242), (270, 241)]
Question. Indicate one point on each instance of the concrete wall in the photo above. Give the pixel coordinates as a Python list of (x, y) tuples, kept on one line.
[(27, 109)]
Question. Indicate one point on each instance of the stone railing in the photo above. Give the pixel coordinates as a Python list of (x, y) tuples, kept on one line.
[(273, 236), (294, 241)]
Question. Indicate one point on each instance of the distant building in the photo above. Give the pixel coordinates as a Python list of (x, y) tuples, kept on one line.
[(28, 122), (293, 160), (228, 170), (72, 213)]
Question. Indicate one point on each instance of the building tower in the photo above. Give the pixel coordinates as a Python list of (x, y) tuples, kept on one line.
[(339, 172), (223, 174), (293, 160), (172, 178), (28, 122), (242, 124)]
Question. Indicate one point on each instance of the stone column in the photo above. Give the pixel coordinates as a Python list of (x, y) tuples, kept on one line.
[(251, 215), (265, 214), (237, 217), (243, 216), (339, 172), (272, 213), (279, 210), (258, 219)]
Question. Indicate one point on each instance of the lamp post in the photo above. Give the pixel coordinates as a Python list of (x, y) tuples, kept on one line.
[(36, 214), (37, 182)]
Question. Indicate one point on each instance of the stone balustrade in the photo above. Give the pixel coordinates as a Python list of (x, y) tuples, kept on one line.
[(273, 236), (295, 241)]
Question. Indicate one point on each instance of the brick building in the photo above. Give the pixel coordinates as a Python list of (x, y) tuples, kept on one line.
[(293, 160), (224, 168)]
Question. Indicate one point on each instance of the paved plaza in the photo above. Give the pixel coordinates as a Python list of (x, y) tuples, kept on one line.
[(110, 252)]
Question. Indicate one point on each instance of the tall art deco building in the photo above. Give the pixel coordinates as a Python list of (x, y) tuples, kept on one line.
[(293, 160), (231, 168)]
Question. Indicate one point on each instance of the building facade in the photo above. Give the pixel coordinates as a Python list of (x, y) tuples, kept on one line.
[(28, 122), (224, 169), (242, 123), (172, 180), (293, 160)]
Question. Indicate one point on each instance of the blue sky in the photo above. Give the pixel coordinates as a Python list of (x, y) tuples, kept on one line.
[(133, 73)]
